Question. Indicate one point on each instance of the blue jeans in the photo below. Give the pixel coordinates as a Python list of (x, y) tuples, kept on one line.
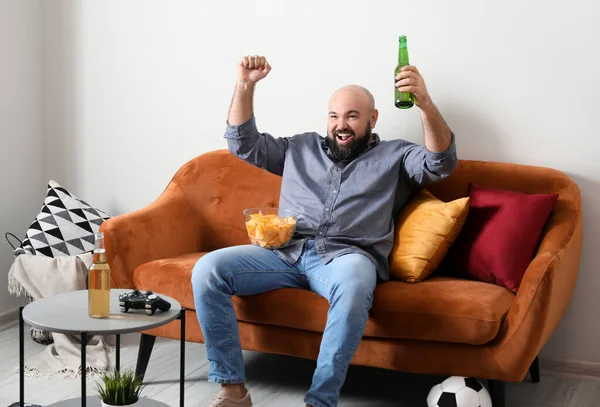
[(347, 282)]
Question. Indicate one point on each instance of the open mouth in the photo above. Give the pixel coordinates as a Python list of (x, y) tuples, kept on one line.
[(343, 137)]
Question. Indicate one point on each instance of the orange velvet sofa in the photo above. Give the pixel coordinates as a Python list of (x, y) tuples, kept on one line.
[(442, 326)]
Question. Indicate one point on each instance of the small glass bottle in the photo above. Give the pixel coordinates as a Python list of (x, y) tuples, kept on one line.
[(99, 281)]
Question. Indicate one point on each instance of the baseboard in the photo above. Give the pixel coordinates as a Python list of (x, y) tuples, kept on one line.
[(9, 318), (576, 369)]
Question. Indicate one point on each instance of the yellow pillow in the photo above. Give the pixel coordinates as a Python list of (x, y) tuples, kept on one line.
[(425, 229)]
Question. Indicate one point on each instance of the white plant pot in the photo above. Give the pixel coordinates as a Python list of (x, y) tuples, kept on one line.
[(128, 405)]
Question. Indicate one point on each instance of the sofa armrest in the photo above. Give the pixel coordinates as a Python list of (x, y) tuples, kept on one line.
[(163, 229), (543, 296)]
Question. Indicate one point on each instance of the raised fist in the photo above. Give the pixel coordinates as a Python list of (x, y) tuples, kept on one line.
[(252, 69)]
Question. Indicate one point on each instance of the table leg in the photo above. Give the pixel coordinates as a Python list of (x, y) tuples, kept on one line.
[(118, 356), (182, 358), (21, 359), (83, 367)]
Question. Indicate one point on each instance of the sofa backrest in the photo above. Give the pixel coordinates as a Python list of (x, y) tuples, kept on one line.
[(219, 186), (521, 178)]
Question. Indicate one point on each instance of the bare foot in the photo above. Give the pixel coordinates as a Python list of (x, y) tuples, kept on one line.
[(237, 391)]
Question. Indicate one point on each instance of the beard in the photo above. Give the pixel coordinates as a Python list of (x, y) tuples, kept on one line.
[(348, 152)]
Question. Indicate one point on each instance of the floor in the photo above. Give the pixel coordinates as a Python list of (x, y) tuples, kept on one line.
[(273, 380)]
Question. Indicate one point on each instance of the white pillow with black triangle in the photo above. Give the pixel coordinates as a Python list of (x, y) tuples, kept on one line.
[(65, 225)]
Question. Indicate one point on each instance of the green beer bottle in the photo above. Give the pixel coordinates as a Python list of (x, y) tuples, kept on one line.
[(403, 100)]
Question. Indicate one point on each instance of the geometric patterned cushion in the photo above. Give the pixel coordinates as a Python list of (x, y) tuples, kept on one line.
[(65, 225)]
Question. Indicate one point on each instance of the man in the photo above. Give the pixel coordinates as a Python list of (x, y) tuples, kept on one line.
[(347, 186)]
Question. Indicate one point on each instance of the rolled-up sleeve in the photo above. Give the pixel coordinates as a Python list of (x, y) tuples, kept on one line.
[(424, 167), (259, 149)]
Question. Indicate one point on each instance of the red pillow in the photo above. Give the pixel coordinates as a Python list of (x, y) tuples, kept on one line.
[(500, 235)]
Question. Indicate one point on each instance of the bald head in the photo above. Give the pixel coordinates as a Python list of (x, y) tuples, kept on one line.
[(357, 94), (352, 116)]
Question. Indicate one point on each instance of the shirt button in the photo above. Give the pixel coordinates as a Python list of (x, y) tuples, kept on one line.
[(327, 209), (334, 191), (321, 233)]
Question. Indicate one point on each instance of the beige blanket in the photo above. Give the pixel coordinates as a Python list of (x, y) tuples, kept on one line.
[(40, 277)]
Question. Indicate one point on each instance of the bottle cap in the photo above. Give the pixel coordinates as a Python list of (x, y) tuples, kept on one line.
[(402, 38), (99, 241)]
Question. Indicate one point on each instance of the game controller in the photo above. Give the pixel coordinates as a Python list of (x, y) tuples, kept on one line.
[(145, 300)]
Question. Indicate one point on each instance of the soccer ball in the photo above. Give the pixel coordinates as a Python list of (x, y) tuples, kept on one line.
[(458, 391)]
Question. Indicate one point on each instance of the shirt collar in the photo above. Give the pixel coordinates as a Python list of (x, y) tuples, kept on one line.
[(374, 140)]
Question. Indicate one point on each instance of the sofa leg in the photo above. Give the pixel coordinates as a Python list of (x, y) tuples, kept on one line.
[(144, 352), (496, 388), (534, 370)]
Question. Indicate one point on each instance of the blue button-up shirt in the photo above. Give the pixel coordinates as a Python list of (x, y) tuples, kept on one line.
[(345, 207)]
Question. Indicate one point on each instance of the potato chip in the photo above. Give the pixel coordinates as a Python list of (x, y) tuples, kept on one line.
[(270, 230)]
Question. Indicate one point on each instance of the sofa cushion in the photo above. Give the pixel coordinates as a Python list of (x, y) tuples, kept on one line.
[(170, 277), (500, 235), (425, 229), (438, 309)]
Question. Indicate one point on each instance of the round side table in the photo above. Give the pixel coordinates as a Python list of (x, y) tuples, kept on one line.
[(67, 313)]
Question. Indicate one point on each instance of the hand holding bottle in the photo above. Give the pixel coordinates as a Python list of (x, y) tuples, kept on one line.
[(410, 80), (252, 69)]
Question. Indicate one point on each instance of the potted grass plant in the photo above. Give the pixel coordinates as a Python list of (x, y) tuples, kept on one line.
[(120, 388)]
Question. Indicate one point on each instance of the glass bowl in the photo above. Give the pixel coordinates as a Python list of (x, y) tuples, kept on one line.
[(268, 227)]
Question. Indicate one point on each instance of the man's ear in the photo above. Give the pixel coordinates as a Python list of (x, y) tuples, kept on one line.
[(374, 117)]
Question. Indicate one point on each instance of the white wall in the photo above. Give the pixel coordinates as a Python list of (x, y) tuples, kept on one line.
[(62, 92), (22, 189), (150, 82)]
